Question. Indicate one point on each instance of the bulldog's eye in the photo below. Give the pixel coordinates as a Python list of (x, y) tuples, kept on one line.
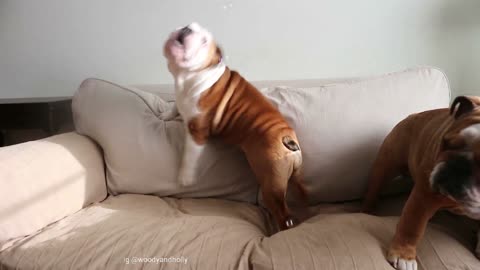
[(455, 144), (204, 40)]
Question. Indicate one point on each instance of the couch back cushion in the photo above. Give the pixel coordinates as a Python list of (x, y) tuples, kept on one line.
[(142, 153), (340, 126)]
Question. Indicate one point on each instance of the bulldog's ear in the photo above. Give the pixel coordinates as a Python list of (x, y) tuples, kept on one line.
[(219, 54), (462, 105)]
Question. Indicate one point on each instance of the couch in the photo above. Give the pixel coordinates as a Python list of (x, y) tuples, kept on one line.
[(106, 197)]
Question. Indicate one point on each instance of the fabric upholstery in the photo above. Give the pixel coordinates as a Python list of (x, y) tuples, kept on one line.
[(220, 234), (211, 234), (46, 180)]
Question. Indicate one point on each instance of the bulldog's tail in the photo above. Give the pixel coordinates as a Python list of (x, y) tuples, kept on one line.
[(290, 143), (375, 184)]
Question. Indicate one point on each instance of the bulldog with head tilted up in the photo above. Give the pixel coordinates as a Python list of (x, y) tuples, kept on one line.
[(215, 101), (440, 149)]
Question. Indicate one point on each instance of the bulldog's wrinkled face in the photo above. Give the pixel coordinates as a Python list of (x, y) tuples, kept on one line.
[(191, 48), (457, 171)]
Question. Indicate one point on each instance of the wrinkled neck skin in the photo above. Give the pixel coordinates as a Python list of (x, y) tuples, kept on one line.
[(189, 85), (195, 81)]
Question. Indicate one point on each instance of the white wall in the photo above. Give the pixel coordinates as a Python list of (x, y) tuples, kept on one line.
[(47, 47)]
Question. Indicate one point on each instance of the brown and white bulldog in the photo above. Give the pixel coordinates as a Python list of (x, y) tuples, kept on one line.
[(440, 149), (215, 101)]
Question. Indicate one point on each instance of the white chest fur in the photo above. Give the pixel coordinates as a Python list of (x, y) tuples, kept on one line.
[(189, 87)]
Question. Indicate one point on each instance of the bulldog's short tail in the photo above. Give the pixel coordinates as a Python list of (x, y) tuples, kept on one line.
[(290, 143)]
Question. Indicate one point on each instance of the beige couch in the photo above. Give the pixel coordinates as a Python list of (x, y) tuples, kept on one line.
[(77, 201)]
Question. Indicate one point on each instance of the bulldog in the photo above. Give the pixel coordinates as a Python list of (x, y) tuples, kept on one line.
[(215, 101), (440, 150)]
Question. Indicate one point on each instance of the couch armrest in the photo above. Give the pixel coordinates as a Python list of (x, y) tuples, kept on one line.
[(43, 181)]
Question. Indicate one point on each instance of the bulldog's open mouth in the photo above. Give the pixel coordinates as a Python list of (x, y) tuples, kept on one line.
[(188, 46), (182, 34)]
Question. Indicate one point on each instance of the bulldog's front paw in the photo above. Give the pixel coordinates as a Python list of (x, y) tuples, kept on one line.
[(289, 223), (169, 115), (185, 178), (402, 259)]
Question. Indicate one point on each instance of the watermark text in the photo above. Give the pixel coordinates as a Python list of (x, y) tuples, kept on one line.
[(156, 260)]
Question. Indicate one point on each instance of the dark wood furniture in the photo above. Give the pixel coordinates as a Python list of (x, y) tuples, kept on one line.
[(48, 114)]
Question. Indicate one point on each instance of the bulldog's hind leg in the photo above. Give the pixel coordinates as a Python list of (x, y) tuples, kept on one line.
[(275, 201), (296, 179), (299, 191), (273, 176), (390, 162), (296, 176)]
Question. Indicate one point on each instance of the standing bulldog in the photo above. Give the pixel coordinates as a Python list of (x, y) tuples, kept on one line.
[(440, 149), (215, 101)]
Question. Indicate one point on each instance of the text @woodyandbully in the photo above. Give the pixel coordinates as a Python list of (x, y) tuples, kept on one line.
[(156, 260)]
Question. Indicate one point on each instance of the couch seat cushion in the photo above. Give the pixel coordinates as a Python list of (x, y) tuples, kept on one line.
[(220, 234), (209, 233), (359, 242)]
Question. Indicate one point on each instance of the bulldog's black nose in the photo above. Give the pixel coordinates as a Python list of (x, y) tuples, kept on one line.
[(183, 33)]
